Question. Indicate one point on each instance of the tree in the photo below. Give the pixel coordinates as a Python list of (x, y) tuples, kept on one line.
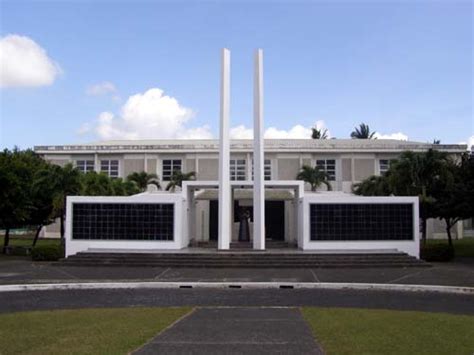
[(177, 179), (15, 202), (455, 201), (373, 186), (66, 182), (42, 194), (319, 133), (420, 174), (143, 179), (314, 176), (362, 132)]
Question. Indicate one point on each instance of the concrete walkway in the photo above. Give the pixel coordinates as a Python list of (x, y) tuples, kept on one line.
[(18, 271), (236, 331)]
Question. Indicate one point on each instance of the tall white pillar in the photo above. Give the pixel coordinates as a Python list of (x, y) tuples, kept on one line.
[(224, 235), (258, 180)]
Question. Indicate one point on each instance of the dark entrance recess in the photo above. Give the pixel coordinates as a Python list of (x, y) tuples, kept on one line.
[(274, 218)]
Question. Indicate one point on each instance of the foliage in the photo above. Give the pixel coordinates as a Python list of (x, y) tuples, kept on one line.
[(319, 133), (21, 201), (177, 179), (373, 186), (362, 132), (444, 186), (420, 174), (455, 201), (314, 176), (143, 179), (47, 253), (437, 252)]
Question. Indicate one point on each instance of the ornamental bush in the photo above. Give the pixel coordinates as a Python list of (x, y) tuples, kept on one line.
[(47, 253), (437, 252)]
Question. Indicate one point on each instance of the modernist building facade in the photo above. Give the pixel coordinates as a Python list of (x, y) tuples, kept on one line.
[(347, 161)]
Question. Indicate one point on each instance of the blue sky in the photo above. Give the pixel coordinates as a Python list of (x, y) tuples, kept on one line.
[(401, 67)]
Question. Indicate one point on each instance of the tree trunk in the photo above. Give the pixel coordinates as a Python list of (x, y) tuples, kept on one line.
[(61, 224), (449, 225), (6, 240), (448, 231), (38, 230), (423, 230)]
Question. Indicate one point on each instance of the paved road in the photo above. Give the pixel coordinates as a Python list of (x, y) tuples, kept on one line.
[(236, 331), (25, 271), (422, 301)]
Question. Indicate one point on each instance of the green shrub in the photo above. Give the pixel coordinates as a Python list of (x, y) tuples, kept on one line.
[(437, 252), (47, 253)]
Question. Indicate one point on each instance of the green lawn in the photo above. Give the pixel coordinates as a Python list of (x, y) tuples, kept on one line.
[(27, 241), (85, 331), (357, 331), (462, 247)]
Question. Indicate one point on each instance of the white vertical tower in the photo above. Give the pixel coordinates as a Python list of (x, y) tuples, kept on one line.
[(258, 156), (224, 235)]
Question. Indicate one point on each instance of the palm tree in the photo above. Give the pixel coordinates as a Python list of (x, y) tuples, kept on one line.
[(362, 132), (420, 174), (143, 179), (67, 181), (314, 176), (319, 133), (177, 179)]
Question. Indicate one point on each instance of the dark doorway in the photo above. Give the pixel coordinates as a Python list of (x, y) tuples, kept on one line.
[(275, 220), (213, 219)]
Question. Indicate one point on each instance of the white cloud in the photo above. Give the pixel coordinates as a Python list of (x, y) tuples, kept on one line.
[(296, 132), (103, 88), (398, 136), (470, 142), (23, 63), (241, 132), (149, 115)]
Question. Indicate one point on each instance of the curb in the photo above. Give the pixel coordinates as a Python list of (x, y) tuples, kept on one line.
[(237, 285)]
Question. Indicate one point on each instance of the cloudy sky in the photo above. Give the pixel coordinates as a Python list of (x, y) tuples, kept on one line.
[(82, 71)]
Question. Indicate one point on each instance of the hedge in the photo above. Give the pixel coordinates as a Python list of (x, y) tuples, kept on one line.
[(47, 253), (437, 252)]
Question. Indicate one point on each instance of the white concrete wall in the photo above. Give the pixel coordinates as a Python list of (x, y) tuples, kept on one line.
[(411, 247), (180, 239)]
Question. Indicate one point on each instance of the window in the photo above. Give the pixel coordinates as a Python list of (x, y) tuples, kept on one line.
[(170, 165), (267, 169), (85, 165), (329, 166), (237, 169), (384, 165), (110, 167)]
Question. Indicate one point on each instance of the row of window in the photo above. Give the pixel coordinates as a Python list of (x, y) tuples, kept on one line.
[(238, 167)]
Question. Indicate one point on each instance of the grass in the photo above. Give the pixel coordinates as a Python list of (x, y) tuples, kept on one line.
[(462, 247), (27, 241), (85, 331), (358, 331)]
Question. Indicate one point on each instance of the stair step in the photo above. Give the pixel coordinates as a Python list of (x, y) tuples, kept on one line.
[(243, 260)]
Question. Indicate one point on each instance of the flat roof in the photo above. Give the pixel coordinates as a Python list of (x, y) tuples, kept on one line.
[(246, 145)]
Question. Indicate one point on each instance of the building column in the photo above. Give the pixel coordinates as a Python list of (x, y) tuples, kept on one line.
[(224, 231), (258, 179)]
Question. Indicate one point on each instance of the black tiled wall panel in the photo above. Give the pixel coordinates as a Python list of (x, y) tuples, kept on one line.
[(353, 222), (122, 221)]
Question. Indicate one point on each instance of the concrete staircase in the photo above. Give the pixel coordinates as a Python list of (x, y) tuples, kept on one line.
[(244, 259)]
